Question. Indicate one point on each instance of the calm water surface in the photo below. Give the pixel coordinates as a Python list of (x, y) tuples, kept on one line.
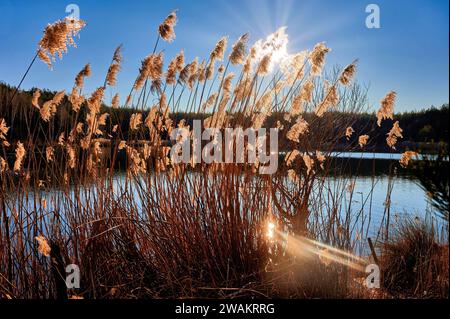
[(407, 197)]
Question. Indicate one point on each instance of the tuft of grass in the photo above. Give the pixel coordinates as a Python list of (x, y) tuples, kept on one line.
[(414, 263)]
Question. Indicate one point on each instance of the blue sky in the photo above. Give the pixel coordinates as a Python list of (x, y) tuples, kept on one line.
[(408, 54)]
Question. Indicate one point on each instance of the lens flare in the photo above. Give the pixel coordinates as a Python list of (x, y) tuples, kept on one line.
[(306, 248), (270, 230)]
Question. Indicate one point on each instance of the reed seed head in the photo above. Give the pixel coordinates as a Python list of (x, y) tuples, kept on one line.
[(166, 29), (386, 110), (35, 99), (3, 129), (57, 38), (406, 157), (43, 246), (362, 140), (219, 50), (317, 58), (348, 74), (299, 128), (238, 52), (394, 134), (20, 155), (349, 132)]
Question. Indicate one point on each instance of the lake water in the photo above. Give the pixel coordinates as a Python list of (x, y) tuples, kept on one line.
[(374, 156), (408, 198), (372, 179)]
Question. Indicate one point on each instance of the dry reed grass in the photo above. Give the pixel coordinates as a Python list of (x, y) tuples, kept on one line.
[(160, 229)]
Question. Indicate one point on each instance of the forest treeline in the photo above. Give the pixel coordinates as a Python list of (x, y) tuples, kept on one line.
[(425, 130)]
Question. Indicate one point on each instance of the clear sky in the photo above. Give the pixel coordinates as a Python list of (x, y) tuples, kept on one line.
[(408, 54)]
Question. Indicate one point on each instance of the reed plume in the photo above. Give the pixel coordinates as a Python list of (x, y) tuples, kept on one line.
[(174, 66), (320, 158), (20, 155), (75, 98), (114, 68), (394, 134), (227, 82), (3, 165), (348, 74), (362, 140), (331, 99), (291, 156), (95, 100), (166, 29), (180, 61), (209, 101), (292, 175), (349, 132), (3, 129), (115, 101), (209, 71), (72, 161), (48, 110), (57, 38), (309, 163), (219, 50), (317, 58), (307, 90), (297, 105), (238, 52), (49, 153), (299, 128), (152, 67), (185, 73), (194, 72), (43, 246), (79, 79), (35, 99), (406, 157), (264, 65), (386, 110), (135, 121)]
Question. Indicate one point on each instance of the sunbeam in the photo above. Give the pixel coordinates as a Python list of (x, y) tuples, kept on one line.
[(306, 248)]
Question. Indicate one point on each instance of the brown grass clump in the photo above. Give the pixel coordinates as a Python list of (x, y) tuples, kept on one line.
[(414, 263)]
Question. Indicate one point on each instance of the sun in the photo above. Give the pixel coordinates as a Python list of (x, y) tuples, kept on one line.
[(270, 230), (275, 45)]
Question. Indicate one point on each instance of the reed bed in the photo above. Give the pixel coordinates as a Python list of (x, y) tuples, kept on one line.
[(81, 186)]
